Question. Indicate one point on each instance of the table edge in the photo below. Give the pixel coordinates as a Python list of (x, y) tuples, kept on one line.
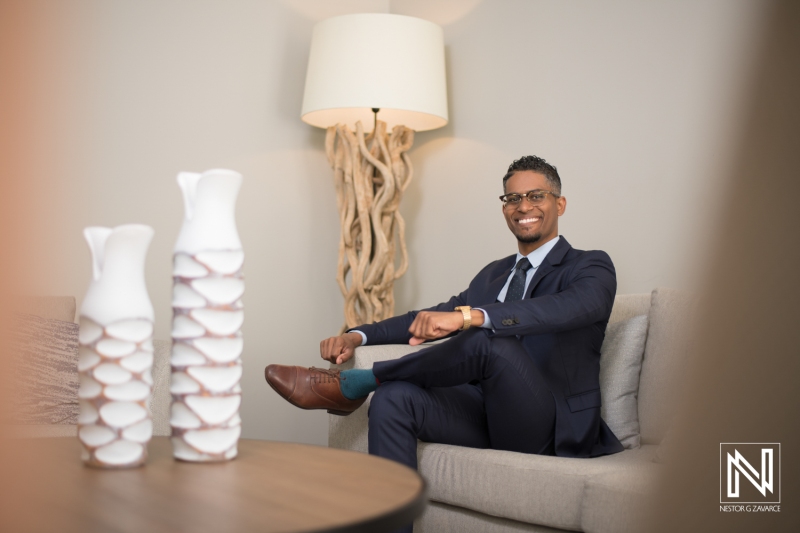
[(394, 519), (388, 522)]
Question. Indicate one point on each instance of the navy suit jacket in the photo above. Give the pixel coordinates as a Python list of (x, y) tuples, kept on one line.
[(561, 322)]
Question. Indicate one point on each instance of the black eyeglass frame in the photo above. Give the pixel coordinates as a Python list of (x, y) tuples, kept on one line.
[(505, 198)]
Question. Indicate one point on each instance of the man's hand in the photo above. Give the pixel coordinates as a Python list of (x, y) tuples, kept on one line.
[(430, 325), (339, 349)]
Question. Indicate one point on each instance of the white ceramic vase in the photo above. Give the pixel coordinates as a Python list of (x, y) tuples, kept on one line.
[(116, 350), (207, 319)]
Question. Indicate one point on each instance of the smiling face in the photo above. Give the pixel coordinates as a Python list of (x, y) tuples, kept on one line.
[(532, 225)]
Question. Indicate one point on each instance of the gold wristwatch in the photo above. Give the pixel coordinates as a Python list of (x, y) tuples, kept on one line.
[(465, 310)]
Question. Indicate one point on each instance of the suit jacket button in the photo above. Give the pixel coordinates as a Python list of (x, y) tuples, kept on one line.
[(507, 322), (516, 321)]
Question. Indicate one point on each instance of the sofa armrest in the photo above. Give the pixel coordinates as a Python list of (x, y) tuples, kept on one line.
[(366, 356), (350, 432)]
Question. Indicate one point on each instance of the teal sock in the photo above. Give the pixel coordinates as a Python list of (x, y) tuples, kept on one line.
[(357, 383)]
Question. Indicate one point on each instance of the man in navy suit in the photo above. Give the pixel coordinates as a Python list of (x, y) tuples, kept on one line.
[(521, 371)]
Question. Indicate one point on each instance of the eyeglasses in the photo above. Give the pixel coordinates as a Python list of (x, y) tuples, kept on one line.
[(535, 197)]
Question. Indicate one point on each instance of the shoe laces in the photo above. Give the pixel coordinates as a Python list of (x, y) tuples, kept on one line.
[(324, 375)]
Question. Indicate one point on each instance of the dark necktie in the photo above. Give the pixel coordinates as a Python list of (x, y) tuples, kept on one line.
[(517, 285)]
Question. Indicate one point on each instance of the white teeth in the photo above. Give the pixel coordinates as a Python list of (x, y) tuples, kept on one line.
[(528, 220)]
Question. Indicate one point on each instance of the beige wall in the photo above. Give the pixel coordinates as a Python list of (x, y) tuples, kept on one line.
[(631, 100)]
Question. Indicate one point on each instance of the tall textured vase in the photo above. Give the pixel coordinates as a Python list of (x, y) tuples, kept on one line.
[(207, 319), (116, 350)]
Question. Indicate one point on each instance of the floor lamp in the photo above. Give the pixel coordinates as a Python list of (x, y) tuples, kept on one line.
[(384, 72)]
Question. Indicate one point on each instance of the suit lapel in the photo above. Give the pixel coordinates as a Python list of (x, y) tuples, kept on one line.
[(550, 262), (494, 285)]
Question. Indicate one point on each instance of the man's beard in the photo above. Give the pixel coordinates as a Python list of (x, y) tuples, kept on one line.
[(529, 239)]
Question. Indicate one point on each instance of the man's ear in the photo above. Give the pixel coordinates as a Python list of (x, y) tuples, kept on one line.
[(562, 205)]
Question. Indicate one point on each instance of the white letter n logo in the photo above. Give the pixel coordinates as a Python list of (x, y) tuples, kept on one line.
[(740, 464)]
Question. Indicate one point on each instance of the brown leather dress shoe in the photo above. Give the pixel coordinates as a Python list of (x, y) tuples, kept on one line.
[(311, 388)]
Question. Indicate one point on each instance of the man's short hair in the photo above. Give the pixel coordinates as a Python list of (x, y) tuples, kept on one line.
[(535, 164)]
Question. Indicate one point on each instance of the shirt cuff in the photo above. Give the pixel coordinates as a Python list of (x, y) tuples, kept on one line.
[(363, 336), (487, 322)]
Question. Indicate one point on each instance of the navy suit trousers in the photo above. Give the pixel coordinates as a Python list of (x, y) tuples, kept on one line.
[(472, 390)]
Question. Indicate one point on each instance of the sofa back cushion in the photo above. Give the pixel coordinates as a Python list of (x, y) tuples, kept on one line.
[(620, 366), (630, 305), (664, 362)]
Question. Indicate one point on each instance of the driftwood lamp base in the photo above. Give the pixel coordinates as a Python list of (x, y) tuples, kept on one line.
[(371, 171)]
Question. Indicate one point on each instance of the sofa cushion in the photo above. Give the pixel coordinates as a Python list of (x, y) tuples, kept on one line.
[(619, 501), (666, 451), (620, 366), (439, 517), (629, 305), (664, 362), (42, 387), (528, 488)]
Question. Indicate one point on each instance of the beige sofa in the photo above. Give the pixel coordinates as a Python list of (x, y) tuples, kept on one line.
[(474, 490)]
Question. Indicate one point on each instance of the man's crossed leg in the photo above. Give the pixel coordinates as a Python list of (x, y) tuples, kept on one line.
[(473, 390)]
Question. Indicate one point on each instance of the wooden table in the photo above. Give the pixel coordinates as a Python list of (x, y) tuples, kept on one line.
[(270, 487)]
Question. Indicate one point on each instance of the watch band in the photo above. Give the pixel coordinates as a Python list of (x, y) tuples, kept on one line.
[(465, 310)]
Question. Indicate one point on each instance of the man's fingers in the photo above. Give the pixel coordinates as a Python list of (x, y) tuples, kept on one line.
[(331, 348), (323, 349), (345, 356), (433, 325), (425, 327), (430, 328)]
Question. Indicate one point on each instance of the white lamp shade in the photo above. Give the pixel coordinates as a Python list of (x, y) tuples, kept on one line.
[(374, 60)]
